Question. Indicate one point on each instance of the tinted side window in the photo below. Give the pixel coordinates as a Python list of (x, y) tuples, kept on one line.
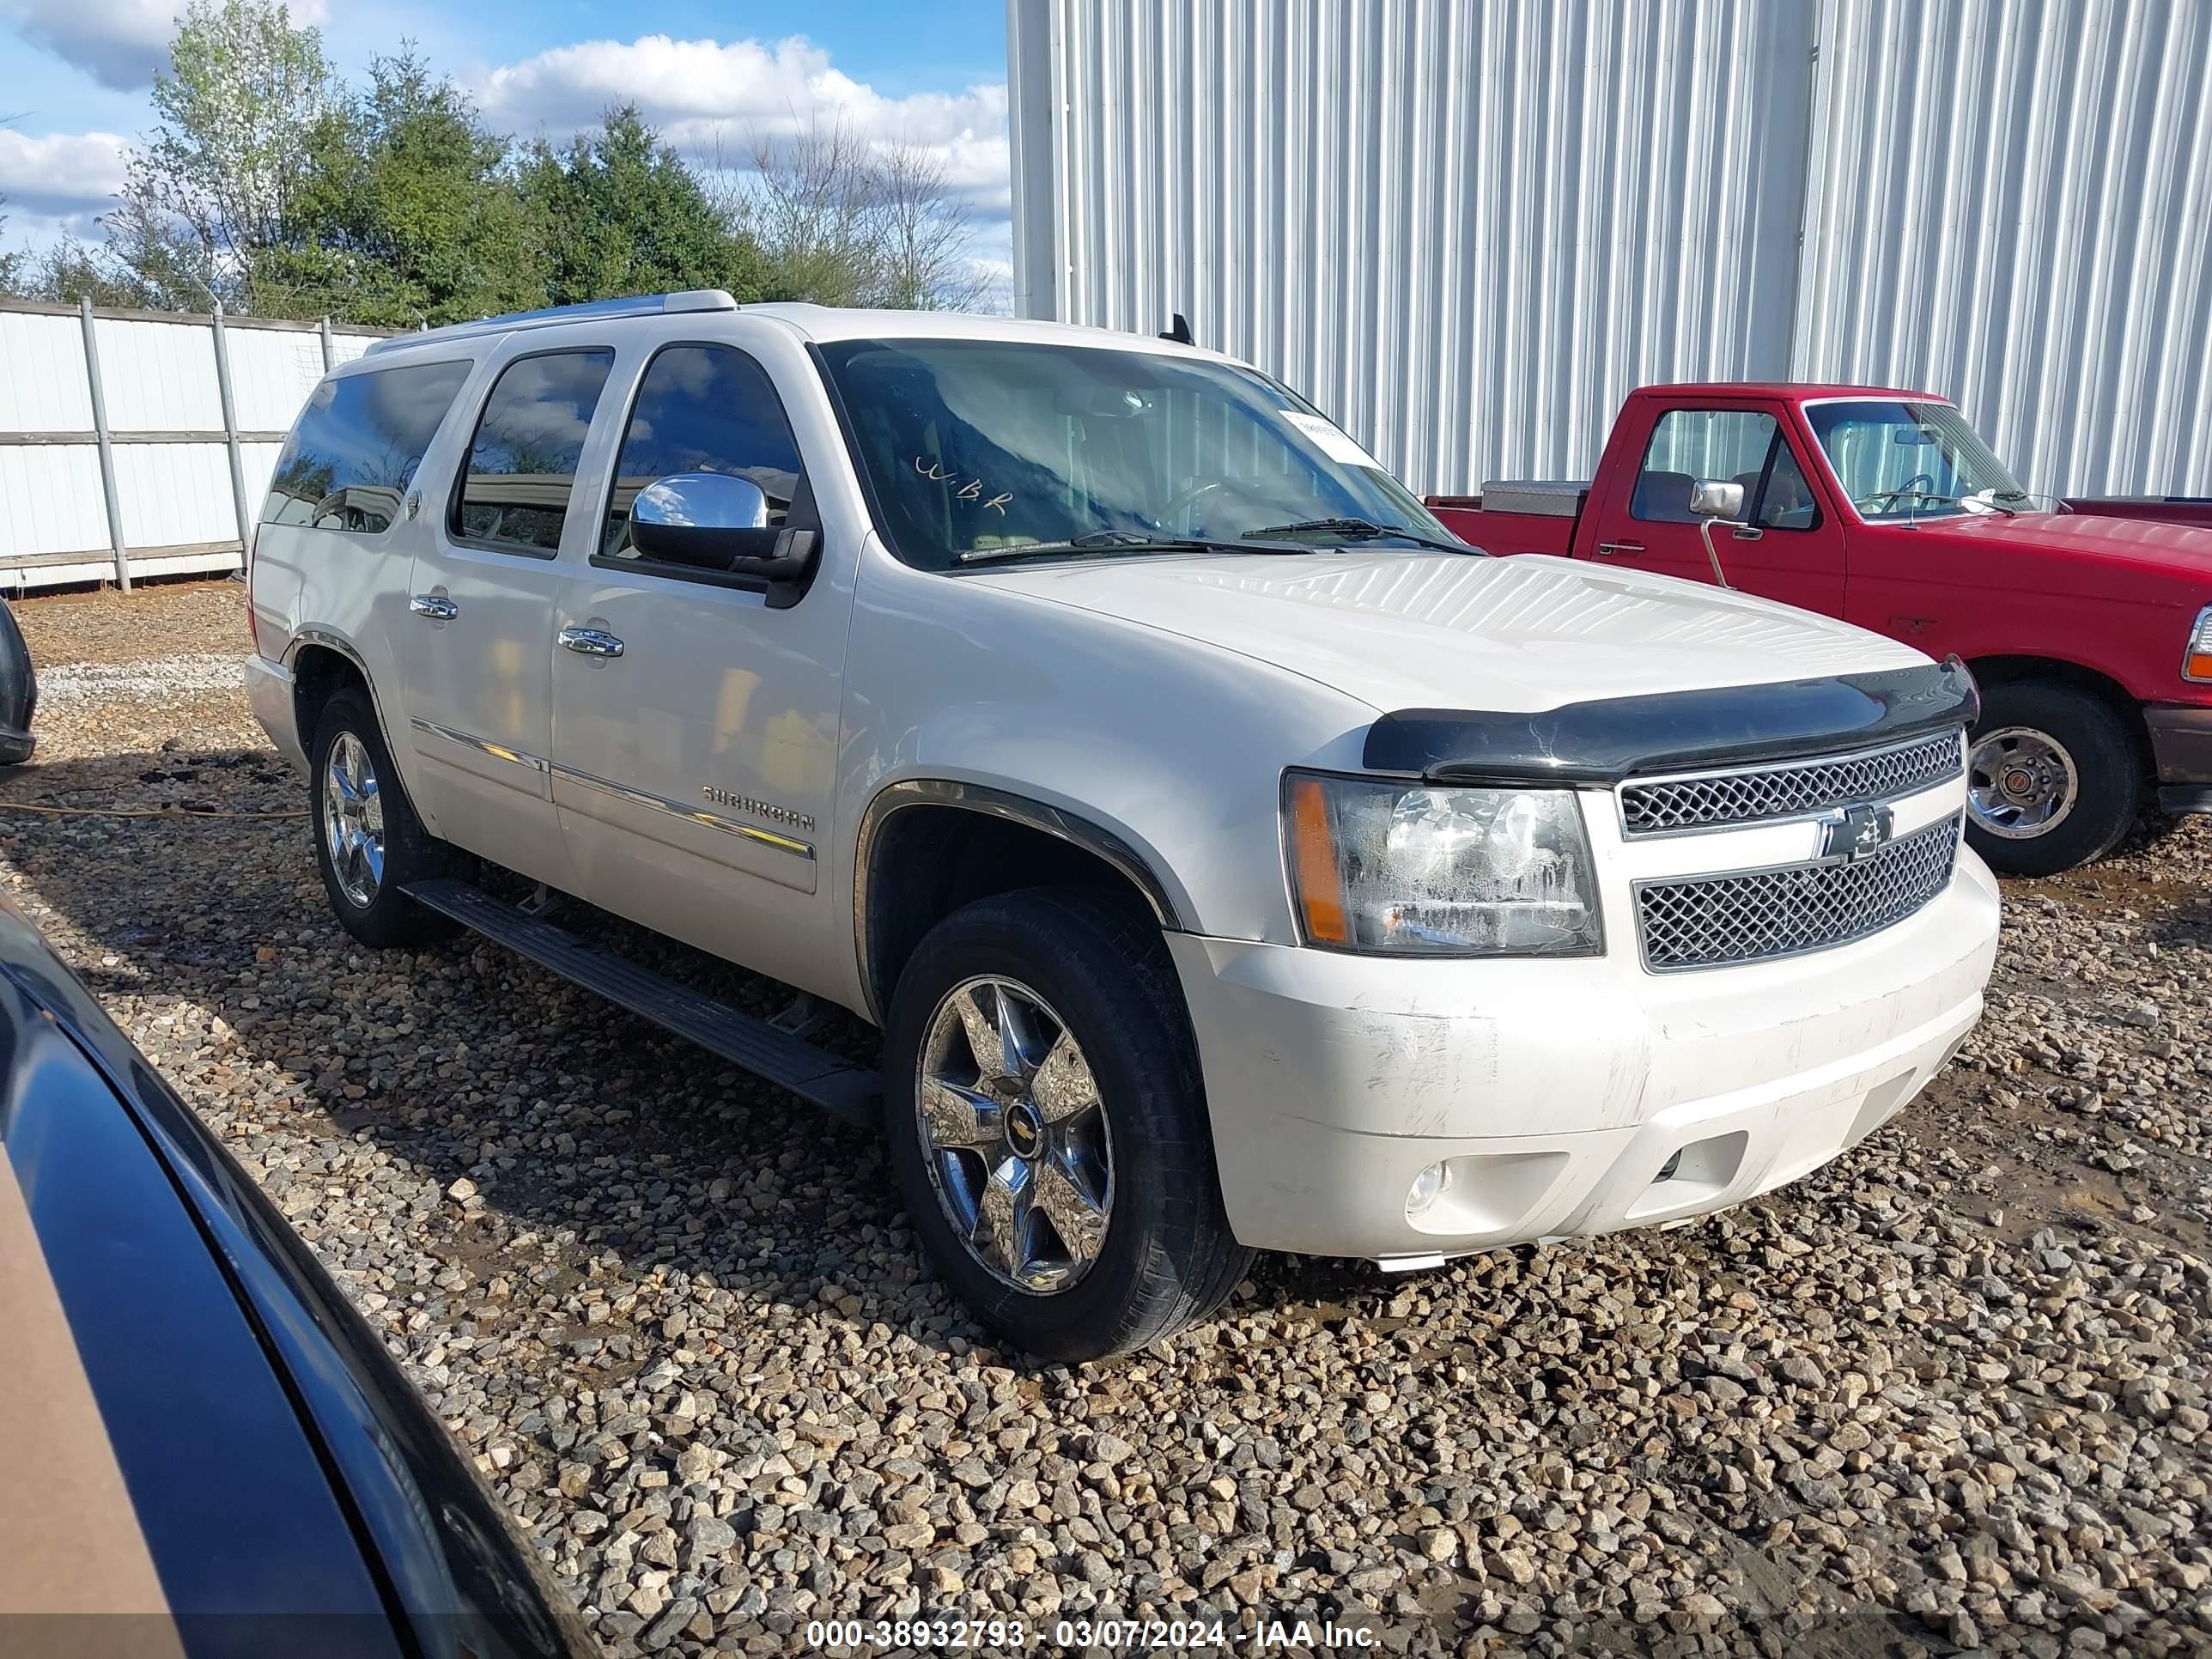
[(704, 408), (354, 450), (522, 462)]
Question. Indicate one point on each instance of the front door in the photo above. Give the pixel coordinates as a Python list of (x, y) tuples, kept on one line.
[(480, 634), (1791, 550), (695, 723)]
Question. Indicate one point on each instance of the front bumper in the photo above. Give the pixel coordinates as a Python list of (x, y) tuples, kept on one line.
[(2181, 747), (1557, 1091), (269, 690)]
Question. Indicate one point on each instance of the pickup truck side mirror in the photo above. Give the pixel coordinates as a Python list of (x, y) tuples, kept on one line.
[(1711, 499), (1714, 502), (717, 522)]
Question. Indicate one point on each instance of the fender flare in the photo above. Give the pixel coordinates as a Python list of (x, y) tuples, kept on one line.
[(342, 646), (1004, 804)]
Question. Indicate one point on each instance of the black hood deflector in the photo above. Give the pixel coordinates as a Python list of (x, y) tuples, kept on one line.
[(1605, 741)]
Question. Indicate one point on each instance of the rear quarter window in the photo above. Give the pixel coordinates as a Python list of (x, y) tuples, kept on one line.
[(353, 452)]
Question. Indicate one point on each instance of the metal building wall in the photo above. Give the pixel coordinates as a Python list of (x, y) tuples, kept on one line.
[(163, 408), (2014, 206), (1466, 227), (1465, 230)]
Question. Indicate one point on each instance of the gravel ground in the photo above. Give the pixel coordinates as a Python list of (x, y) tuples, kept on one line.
[(1948, 1395)]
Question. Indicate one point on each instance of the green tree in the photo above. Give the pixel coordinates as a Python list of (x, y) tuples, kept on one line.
[(408, 215), (71, 271), (619, 213), (221, 181)]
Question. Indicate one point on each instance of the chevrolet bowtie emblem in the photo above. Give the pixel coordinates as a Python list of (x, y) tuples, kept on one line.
[(1852, 832)]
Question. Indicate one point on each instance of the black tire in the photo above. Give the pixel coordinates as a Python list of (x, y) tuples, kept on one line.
[(2108, 771), (410, 853), (19, 692), (1168, 1258)]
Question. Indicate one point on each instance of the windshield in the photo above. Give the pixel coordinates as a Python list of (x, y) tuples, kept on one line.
[(975, 448), (1909, 460)]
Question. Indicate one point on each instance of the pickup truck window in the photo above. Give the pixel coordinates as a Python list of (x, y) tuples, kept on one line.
[(522, 461), (354, 450), (702, 408), (970, 445), (1744, 446), (1900, 460)]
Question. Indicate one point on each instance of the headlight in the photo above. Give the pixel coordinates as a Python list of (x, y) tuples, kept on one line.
[(2196, 660), (1400, 869)]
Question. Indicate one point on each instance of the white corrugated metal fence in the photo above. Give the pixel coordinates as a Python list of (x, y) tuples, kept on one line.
[(159, 413), (1466, 228)]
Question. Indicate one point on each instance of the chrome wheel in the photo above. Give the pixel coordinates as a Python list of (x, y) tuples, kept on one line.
[(352, 820), (1014, 1135), (2019, 783)]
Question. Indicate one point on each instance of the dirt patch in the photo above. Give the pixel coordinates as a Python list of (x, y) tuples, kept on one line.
[(158, 619)]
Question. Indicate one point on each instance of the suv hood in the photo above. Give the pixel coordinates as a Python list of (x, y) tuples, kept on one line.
[(1409, 630)]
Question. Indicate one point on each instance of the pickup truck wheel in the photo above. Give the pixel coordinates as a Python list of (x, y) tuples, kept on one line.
[(2053, 779), (1048, 1126), (369, 842)]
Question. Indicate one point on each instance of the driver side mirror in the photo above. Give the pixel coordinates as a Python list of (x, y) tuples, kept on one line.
[(1715, 503), (1711, 499), (715, 521)]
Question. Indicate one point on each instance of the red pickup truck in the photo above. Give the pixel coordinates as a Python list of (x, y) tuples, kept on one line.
[(2090, 632)]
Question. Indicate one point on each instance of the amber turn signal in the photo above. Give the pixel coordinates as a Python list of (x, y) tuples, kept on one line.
[(2196, 657), (1314, 861)]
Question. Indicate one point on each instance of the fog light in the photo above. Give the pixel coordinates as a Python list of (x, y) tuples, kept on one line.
[(1426, 1187), (1667, 1170)]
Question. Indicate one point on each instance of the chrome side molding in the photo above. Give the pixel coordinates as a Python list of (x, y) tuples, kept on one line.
[(482, 745), (690, 814)]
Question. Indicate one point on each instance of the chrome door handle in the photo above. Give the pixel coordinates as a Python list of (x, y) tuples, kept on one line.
[(590, 641), (1619, 548), (436, 606)]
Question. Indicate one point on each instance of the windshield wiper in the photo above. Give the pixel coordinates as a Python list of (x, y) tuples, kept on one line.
[(1356, 529), (1101, 543)]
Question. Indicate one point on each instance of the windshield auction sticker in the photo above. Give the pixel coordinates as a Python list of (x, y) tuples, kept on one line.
[(1332, 440)]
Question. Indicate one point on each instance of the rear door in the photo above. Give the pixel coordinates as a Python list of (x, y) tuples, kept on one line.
[(1792, 548), (479, 637)]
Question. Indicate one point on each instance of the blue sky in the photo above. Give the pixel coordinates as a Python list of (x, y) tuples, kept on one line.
[(75, 75)]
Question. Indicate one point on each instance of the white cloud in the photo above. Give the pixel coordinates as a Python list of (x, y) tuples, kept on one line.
[(64, 178), (702, 93), (120, 43)]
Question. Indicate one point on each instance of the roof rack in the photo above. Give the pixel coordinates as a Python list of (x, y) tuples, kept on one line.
[(642, 305)]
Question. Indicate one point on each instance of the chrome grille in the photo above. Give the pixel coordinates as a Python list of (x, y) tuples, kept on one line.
[(1710, 921), (1796, 789)]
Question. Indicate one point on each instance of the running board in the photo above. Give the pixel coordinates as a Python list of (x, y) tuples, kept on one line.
[(815, 1075)]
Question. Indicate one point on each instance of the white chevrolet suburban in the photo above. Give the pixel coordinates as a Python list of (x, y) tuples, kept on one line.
[(1233, 859)]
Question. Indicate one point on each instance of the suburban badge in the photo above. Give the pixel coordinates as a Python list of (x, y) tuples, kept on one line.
[(759, 809)]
